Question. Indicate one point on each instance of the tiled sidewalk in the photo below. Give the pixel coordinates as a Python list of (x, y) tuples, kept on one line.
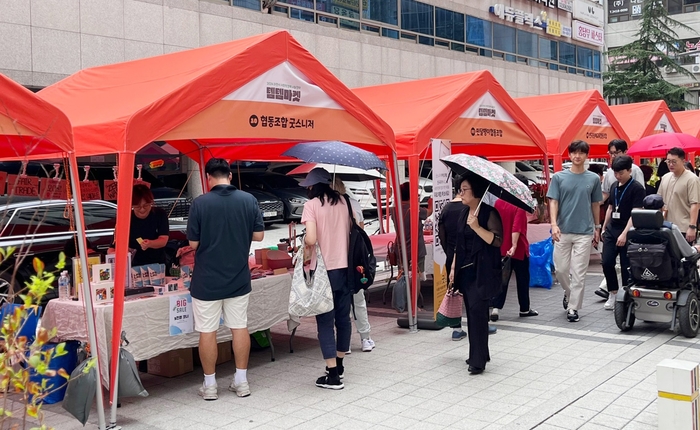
[(545, 373)]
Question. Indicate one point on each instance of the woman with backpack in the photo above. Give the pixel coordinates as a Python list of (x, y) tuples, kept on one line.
[(328, 226)]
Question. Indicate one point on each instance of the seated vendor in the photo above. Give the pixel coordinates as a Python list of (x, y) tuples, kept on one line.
[(149, 230), (656, 202)]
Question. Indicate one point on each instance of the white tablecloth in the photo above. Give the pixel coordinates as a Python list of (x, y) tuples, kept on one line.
[(146, 321)]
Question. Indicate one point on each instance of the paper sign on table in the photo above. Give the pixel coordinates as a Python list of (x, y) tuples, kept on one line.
[(90, 190), (181, 319), (51, 188), (23, 186)]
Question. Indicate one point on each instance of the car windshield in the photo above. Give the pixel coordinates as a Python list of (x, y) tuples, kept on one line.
[(280, 181), (524, 167)]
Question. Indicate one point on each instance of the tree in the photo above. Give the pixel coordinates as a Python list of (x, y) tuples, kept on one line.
[(634, 71)]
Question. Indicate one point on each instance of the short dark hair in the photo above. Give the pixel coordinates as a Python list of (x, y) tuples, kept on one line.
[(217, 168), (679, 152), (579, 146), (619, 144), (648, 171), (405, 190), (597, 169), (622, 162), (323, 192), (477, 184), (456, 183), (141, 193)]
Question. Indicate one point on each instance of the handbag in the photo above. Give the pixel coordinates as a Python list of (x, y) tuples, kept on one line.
[(450, 311), (505, 272), (399, 298), (311, 293)]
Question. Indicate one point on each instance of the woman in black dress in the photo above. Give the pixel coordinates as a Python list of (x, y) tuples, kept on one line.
[(477, 266)]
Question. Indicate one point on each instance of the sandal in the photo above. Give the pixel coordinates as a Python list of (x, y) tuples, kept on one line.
[(530, 313)]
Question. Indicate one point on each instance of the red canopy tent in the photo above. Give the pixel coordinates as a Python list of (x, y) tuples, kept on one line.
[(471, 109), (31, 129), (688, 121), (261, 94), (566, 117), (646, 118)]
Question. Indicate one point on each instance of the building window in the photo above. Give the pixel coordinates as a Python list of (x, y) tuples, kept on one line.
[(548, 49), (301, 14), (567, 54), (675, 6), (503, 38), (527, 44), (417, 17), (309, 4), (584, 58), (248, 4), (346, 8), (449, 25), (479, 32), (386, 11), (596, 61)]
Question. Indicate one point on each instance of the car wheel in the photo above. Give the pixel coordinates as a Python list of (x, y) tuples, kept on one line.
[(689, 316), (621, 310)]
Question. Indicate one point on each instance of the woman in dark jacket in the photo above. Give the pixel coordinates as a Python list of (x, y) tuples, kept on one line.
[(477, 266)]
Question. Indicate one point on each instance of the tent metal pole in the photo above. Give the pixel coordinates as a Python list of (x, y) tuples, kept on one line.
[(87, 295), (412, 325), (202, 175)]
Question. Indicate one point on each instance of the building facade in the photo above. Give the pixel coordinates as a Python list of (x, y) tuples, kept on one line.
[(623, 22), (531, 46)]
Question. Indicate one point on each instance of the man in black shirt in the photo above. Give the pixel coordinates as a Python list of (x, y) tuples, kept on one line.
[(625, 194), (221, 226)]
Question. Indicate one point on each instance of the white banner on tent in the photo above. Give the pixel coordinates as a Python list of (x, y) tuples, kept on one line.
[(664, 125), (181, 318), (442, 194)]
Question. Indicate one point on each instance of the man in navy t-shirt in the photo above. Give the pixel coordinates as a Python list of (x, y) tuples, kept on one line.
[(221, 226)]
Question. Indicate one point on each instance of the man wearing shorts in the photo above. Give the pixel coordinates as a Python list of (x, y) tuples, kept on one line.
[(221, 226)]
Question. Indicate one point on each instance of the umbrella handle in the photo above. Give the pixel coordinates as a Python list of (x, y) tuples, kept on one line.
[(476, 212)]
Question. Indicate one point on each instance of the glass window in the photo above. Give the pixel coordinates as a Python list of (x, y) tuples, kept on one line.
[(503, 38), (527, 44), (675, 6), (479, 32), (584, 57), (386, 11), (309, 4), (386, 32), (39, 220), (596, 61), (248, 4), (417, 17), (303, 15), (567, 54), (346, 8), (449, 25), (548, 49), (99, 216)]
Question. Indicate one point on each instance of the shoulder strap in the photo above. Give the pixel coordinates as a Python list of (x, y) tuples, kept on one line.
[(352, 216)]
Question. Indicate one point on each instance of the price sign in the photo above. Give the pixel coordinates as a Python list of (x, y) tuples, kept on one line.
[(90, 190), (27, 186)]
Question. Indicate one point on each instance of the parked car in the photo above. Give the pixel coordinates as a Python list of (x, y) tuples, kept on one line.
[(603, 164), (531, 172), (41, 228), (283, 187), (272, 207)]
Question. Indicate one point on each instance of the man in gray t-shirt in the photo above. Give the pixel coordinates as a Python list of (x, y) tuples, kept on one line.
[(574, 207)]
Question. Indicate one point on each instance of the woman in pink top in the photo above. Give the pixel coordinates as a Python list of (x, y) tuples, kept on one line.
[(328, 225)]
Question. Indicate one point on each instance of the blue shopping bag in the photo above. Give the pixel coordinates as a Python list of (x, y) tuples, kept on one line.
[(541, 263)]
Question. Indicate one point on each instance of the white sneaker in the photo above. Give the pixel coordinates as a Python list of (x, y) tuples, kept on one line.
[(349, 351), (371, 342), (610, 304), (209, 393), (241, 390), (367, 345)]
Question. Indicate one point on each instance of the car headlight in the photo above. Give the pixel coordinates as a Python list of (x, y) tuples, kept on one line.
[(297, 200)]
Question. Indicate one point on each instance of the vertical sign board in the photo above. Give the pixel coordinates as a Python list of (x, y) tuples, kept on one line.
[(181, 319), (442, 194)]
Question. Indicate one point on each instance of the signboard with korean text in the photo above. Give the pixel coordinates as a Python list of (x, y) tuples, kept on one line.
[(596, 130), (566, 31), (567, 5), (520, 17), (181, 319), (636, 8), (589, 12), (618, 7), (554, 27), (548, 3), (442, 195), (587, 33)]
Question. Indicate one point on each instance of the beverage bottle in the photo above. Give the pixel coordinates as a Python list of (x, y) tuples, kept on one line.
[(64, 286)]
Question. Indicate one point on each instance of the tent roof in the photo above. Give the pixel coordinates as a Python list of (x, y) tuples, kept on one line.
[(643, 119), (29, 126), (566, 117), (214, 93), (471, 109), (688, 121)]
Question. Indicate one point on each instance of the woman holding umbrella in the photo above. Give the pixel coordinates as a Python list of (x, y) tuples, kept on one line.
[(476, 269)]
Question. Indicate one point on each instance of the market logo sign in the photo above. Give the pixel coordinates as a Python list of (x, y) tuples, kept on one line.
[(588, 34), (589, 12), (520, 17), (596, 130), (664, 125)]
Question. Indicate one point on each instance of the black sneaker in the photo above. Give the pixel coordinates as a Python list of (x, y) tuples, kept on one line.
[(341, 371), (330, 383), (572, 315), (565, 302), (601, 292)]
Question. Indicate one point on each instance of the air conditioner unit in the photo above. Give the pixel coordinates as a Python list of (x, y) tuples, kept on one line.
[(669, 69), (695, 68)]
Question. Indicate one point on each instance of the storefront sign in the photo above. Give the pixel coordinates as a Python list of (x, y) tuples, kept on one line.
[(442, 195), (566, 31), (587, 33), (548, 3), (567, 5), (692, 46), (181, 319), (553, 27), (521, 17), (589, 12), (636, 6), (618, 7)]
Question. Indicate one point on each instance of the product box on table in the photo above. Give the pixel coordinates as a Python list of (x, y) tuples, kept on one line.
[(171, 363)]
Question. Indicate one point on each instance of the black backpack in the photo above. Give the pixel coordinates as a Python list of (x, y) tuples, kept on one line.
[(362, 266)]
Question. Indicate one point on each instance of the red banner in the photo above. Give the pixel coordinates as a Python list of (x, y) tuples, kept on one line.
[(51, 188), (3, 179), (23, 186), (90, 190)]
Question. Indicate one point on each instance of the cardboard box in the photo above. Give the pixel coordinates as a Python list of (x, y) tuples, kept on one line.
[(172, 363), (225, 353), (280, 271)]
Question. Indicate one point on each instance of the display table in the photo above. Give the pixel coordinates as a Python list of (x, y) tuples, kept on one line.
[(147, 321)]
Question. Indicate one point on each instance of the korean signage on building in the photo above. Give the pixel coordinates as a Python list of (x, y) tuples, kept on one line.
[(567, 5), (553, 27), (587, 33), (518, 16), (589, 12), (548, 3), (566, 31), (625, 8)]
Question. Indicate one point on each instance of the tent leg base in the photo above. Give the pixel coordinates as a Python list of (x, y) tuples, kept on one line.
[(424, 323)]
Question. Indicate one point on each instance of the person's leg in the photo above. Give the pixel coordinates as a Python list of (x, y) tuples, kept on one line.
[(562, 263), (608, 260), (478, 330), (624, 265), (362, 320), (206, 321), (236, 319), (522, 280), (500, 300), (580, 257)]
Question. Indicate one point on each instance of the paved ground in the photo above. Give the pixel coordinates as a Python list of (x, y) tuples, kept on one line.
[(545, 373)]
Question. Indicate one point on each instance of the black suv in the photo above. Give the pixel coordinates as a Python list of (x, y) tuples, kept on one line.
[(41, 228)]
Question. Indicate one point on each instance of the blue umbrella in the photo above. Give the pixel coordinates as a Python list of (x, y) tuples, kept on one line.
[(335, 152)]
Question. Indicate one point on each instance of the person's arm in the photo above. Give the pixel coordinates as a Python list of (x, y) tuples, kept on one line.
[(608, 216), (193, 226), (423, 214), (553, 212), (258, 224), (595, 207), (492, 234), (310, 239), (194, 244)]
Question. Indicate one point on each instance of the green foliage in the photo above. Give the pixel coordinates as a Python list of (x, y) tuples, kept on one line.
[(635, 70), (19, 360)]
